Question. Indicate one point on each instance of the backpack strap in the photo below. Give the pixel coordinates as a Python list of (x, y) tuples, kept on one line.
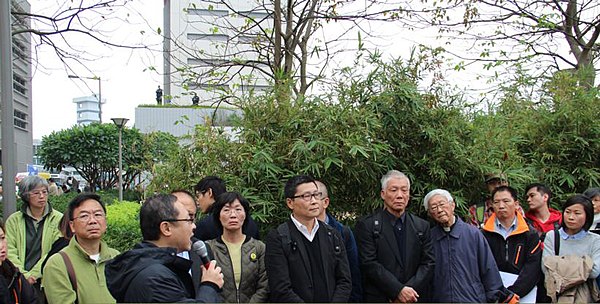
[(556, 240), (71, 273), (284, 233), (376, 225)]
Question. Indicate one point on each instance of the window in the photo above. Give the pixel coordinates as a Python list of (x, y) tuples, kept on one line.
[(19, 84), (20, 119), (209, 37), (208, 12)]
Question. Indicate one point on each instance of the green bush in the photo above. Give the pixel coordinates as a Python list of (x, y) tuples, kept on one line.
[(123, 228)]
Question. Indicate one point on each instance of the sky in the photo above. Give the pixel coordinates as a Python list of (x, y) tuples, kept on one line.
[(125, 84)]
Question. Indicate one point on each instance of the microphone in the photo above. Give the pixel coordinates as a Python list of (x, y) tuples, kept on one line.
[(199, 248)]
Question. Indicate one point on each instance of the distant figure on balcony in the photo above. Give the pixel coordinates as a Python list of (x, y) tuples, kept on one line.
[(195, 99), (159, 95)]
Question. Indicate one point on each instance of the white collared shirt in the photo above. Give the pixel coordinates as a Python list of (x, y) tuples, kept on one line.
[(304, 230)]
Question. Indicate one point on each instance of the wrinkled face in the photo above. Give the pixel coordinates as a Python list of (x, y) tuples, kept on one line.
[(306, 204), (396, 195), (205, 200), (574, 218), (596, 203), (38, 197), (535, 199), (495, 183), (182, 229), (232, 216), (441, 210), (2, 246), (188, 202), (88, 221), (504, 205)]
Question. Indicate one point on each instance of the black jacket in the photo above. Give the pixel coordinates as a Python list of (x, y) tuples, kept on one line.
[(289, 270), (206, 229), (379, 254), (14, 288), (151, 274), (520, 253)]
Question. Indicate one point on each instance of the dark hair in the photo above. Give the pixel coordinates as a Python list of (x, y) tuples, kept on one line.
[(63, 225), (592, 192), (79, 199), (154, 210), (2, 226), (587, 207), (541, 188), (226, 199), (292, 184), (508, 189), (211, 182)]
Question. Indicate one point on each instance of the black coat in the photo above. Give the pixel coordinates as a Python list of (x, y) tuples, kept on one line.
[(379, 254), (150, 274), (14, 288), (289, 271), (520, 253)]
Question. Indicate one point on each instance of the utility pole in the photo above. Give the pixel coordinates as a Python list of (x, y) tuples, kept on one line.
[(167, 52), (8, 130)]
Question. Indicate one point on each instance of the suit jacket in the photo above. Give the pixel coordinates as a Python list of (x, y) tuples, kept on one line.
[(379, 254), (289, 271)]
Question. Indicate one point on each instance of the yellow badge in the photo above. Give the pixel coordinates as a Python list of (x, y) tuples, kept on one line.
[(253, 256)]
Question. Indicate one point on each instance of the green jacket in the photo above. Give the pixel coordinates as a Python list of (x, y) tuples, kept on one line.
[(91, 281), (254, 287), (16, 240)]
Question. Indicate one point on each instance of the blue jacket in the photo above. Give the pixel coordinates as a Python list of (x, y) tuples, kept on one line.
[(465, 269), (353, 262)]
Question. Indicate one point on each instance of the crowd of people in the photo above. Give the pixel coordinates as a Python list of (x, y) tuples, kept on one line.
[(497, 253)]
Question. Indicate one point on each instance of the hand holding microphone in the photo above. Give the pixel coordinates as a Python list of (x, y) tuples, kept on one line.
[(210, 272)]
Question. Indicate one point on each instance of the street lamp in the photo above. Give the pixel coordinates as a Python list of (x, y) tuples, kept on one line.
[(120, 122), (99, 92)]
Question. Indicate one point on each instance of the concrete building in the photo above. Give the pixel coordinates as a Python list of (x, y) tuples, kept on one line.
[(87, 109), (181, 121), (202, 35), (22, 95)]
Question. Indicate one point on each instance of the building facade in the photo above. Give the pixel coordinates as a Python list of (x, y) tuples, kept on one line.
[(22, 94), (87, 109), (206, 41)]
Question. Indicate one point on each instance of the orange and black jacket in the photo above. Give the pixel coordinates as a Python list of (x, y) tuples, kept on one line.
[(520, 253)]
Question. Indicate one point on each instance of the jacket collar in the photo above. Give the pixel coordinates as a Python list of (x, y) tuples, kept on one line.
[(522, 226)]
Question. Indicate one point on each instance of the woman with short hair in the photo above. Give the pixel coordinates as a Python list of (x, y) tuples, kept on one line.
[(31, 231), (241, 257)]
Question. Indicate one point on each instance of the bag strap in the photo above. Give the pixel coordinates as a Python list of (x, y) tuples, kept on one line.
[(71, 273), (556, 241)]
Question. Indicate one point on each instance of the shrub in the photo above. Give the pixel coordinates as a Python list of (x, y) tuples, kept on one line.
[(123, 225)]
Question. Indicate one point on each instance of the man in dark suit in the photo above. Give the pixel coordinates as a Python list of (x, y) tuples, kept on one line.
[(305, 258), (395, 252)]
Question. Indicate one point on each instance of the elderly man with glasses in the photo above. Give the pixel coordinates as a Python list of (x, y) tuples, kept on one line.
[(31, 231), (86, 253), (305, 258), (152, 272), (465, 270)]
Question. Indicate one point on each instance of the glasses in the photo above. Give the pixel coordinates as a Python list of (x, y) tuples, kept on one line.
[(231, 211), (435, 208), (307, 196), (85, 217), (39, 192), (189, 220)]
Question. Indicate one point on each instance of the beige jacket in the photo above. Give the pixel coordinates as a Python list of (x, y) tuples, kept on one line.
[(567, 279)]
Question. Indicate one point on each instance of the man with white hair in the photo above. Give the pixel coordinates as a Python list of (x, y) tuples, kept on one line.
[(465, 269), (395, 247)]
